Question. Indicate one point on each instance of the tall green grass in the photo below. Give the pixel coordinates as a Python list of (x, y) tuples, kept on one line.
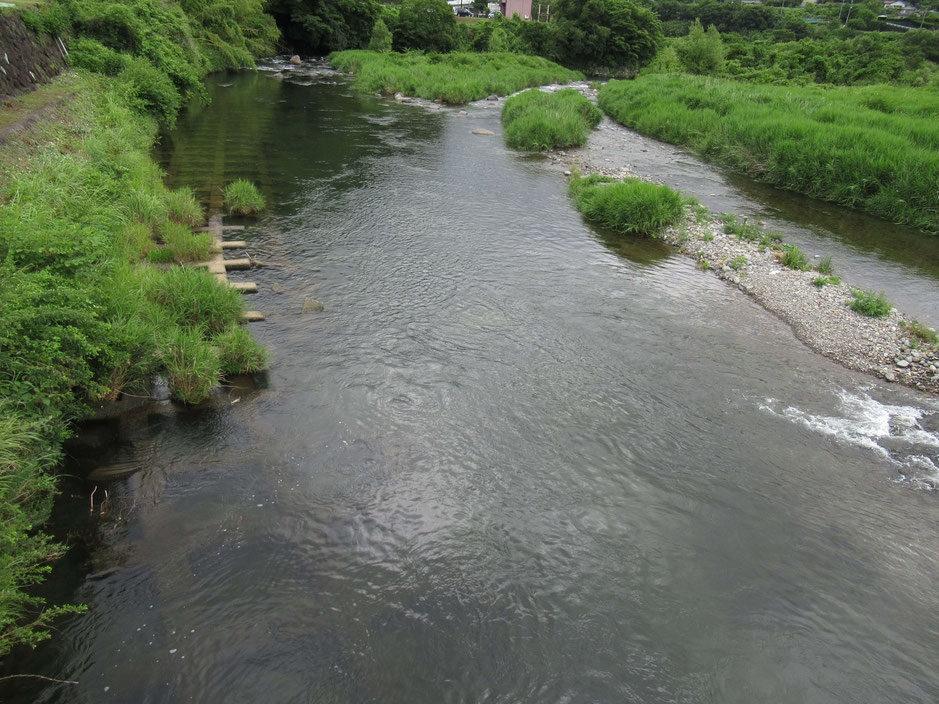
[(535, 120), (243, 198), (454, 78), (873, 148), (630, 206), (83, 318)]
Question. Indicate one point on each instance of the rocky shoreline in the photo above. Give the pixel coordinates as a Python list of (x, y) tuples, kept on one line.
[(819, 317)]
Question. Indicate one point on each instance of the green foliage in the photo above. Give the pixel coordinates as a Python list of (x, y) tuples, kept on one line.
[(243, 198), (794, 258), (701, 52), (182, 207), (535, 120), (454, 78), (741, 228), (608, 34), (823, 281), (322, 26), (824, 265), (738, 263), (426, 25), (195, 300), (161, 256), (192, 366), (926, 334), (872, 148), (630, 206), (381, 38), (186, 245), (239, 352), (874, 305), (499, 41)]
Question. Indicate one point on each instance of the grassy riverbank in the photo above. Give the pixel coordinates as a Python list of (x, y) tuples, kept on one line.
[(451, 78), (535, 120), (874, 148), (83, 318)]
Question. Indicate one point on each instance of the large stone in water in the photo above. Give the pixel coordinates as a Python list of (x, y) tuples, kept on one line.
[(484, 133), (311, 305), (295, 60)]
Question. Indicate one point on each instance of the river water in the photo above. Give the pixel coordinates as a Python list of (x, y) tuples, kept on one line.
[(507, 462)]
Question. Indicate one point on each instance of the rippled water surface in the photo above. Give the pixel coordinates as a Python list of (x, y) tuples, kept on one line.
[(505, 464)]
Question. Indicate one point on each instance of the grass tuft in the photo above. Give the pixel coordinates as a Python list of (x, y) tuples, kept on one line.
[(243, 198), (630, 206), (195, 299), (794, 258), (874, 305), (535, 120), (239, 352), (192, 366), (184, 208), (924, 333)]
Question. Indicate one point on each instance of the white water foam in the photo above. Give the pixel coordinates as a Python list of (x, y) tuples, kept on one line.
[(896, 433)]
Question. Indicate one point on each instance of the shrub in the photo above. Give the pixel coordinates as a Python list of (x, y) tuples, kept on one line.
[(535, 120), (243, 197), (381, 38), (428, 25), (239, 352), (612, 34), (195, 299), (794, 258), (630, 206), (192, 366), (499, 41), (869, 303), (701, 52)]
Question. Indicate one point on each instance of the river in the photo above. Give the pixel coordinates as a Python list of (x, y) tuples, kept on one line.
[(506, 463)]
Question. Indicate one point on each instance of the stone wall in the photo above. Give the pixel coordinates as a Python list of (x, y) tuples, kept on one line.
[(26, 59)]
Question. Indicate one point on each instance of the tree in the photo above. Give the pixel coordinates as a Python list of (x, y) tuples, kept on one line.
[(616, 34), (321, 26), (429, 25), (701, 52), (499, 40), (480, 7), (381, 38)]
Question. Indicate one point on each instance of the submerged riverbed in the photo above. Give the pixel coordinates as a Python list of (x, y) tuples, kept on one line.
[(506, 463)]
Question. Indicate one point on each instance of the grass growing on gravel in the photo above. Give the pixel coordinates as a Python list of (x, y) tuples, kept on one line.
[(874, 305), (243, 198), (454, 78), (794, 258), (871, 148), (535, 120), (630, 206), (926, 334)]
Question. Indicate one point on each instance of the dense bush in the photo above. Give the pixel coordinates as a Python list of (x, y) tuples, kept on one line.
[(381, 37), (426, 25), (535, 120), (608, 34), (872, 148), (243, 198), (322, 26), (630, 206)]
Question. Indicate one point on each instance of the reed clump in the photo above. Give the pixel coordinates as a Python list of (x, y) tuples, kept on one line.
[(630, 206), (243, 198), (536, 121), (454, 78), (871, 148)]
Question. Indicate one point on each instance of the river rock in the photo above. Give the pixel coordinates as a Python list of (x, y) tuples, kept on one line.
[(463, 112), (902, 363), (311, 305), (890, 376), (484, 133), (295, 60), (493, 97)]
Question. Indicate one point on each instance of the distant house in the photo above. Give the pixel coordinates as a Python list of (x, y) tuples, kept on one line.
[(511, 7)]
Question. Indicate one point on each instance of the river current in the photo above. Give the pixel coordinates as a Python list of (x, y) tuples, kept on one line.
[(506, 462)]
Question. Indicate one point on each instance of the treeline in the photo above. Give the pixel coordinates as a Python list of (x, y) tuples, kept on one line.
[(83, 318), (603, 35)]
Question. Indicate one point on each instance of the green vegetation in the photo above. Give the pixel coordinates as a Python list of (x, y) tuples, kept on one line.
[(535, 120), (926, 334), (823, 281), (738, 263), (426, 25), (872, 148), (794, 258), (454, 78), (243, 198), (185, 245), (824, 265), (239, 353), (742, 229), (381, 38), (629, 206), (874, 305)]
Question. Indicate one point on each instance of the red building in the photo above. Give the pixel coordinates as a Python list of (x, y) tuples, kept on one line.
[(511, 7)]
